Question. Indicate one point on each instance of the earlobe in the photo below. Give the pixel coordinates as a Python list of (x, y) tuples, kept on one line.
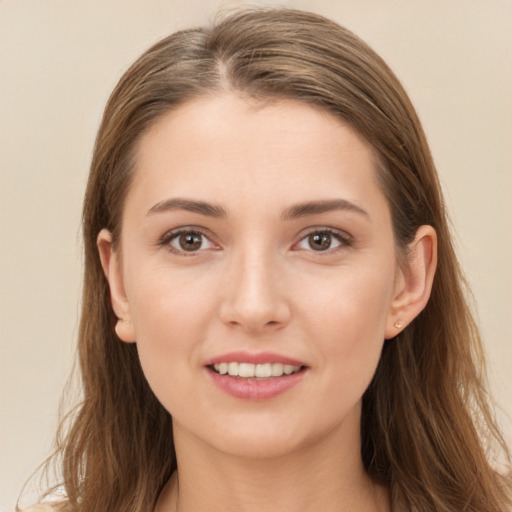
[(111, 264), (414, 282)]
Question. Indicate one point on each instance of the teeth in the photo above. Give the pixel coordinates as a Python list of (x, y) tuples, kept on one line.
[(288, 369), (233, 369), (277, 369), (261, 371), (245, 370)]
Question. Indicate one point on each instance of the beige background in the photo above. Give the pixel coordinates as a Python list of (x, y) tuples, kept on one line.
[(59, 59)]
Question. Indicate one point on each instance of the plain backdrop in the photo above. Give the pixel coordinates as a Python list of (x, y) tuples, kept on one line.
[(59, 60)]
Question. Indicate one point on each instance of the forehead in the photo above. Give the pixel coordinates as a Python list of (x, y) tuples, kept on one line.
[(234, 147), (231, 117)]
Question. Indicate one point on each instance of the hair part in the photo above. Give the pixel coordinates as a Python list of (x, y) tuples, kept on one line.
[(426, 420)]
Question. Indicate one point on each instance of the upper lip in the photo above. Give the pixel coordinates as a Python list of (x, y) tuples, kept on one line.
[(254, 358)]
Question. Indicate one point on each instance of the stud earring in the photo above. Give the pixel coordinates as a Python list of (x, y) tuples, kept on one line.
[(398, 324)]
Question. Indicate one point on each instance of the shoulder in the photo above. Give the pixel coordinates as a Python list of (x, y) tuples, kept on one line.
[(43, 507), (38, 508), (55, 500)]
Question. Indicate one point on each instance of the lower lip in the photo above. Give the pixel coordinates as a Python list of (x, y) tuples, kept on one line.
[(252, 389)]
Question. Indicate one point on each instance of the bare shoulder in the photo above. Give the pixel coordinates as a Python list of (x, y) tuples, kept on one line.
[(39, 508), (44, 507)]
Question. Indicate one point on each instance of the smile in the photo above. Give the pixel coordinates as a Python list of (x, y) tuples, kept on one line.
[(255, 377), (258, 371)]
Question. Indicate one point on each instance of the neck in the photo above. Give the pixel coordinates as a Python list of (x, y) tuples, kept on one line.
[(326, 475)]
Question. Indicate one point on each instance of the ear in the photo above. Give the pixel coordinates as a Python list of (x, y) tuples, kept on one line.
[(110, 261), (414, 281)]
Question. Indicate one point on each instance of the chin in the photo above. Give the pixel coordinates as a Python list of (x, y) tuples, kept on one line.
[(279, 438), (261, 447)]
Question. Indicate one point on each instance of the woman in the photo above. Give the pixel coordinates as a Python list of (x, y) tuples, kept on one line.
[(273, 313)]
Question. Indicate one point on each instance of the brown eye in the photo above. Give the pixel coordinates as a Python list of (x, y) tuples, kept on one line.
[(188, 241), (324, 241), (320, 241)]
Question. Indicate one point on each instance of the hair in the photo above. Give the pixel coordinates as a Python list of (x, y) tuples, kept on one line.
[(427, 425)]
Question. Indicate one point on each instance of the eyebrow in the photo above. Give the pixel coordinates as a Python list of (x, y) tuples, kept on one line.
[(293, 212), (318, 207), (201, 207)]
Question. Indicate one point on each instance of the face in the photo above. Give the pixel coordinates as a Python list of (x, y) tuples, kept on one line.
[(256, 271)]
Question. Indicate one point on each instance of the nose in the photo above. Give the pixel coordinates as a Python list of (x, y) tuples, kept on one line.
[(254, 295)]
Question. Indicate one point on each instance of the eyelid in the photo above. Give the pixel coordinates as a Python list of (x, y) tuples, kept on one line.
[(346, 240), (170, 235)]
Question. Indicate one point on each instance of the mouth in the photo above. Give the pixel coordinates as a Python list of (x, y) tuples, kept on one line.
[(263, 376), (261, 371)]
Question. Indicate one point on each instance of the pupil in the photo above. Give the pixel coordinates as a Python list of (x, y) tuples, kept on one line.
[(190, 241), (320, 242)]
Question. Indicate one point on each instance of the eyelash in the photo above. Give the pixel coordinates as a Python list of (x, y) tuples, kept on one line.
[(344, 239), (170, 236)]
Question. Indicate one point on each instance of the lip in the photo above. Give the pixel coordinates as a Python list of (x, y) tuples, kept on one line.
[(256, 358), (250, 388)]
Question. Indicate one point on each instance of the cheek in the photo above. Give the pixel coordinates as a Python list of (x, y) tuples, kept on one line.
[(169, 317), (166, 302), (355, 302), (348, 326)]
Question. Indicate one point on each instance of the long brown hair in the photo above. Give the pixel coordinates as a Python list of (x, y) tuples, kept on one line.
[(427, 426)]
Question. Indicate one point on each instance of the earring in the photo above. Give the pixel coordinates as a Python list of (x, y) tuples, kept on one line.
[(398, 324), (123, 327)]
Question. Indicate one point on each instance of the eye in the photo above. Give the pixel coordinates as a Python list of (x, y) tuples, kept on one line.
[(323, 240), (187, 241)]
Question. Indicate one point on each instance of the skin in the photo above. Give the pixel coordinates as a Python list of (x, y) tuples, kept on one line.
[(257, 284)]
